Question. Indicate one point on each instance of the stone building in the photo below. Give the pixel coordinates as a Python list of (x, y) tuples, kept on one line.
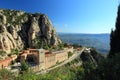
[(61, 55), (50, 59), (44, 59), (41, 58), (7, 61), (34, 57)]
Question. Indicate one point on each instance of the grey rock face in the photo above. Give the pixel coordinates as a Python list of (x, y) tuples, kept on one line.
[(3, 19), (91, 55), (6, 40), (34, 31), (18, 30)]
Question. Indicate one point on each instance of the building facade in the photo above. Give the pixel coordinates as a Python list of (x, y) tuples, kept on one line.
[(43, 58), (50, 60)]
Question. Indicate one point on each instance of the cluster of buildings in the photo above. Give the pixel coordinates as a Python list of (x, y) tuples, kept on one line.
[(44, 59), (39, 59)]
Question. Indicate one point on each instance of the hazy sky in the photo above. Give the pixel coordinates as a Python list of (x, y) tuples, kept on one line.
[(76, 16)]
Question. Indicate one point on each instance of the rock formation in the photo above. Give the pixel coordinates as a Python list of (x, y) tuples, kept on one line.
[(91, 55), (115, 37), (19, 30), (6, 40)]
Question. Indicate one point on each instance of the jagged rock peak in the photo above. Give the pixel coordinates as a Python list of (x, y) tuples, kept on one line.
[(22, 30)]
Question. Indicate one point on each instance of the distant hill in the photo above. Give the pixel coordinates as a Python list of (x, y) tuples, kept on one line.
[(98, 41)]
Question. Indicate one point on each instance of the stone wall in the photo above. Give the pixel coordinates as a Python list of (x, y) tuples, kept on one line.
[(61, 56), (50, 60)]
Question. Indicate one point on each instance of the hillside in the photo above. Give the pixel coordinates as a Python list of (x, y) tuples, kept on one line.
[(98, 41)]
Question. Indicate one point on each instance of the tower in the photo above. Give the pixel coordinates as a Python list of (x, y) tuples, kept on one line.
[(41, 59)]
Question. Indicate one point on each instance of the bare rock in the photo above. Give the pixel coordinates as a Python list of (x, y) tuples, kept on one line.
[(13, 32), (22, 28), (6, 40), (3, 18), (33, 31)]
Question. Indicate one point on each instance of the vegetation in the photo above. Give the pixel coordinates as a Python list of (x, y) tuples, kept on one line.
[(6, 75), (2, 53), (77, 45), (61, 46), (14, 51), (63, 73), (24, 66), (13, 18), (40, 42), (115, 36), (27, 75), (108, 69), (70, 54)]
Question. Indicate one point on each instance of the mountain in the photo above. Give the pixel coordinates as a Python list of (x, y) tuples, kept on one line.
[(98, 41), (19, 30)]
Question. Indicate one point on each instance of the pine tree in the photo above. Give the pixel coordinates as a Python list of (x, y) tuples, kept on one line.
[(115, 36)]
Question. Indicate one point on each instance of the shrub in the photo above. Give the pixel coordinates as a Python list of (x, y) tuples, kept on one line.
[(24, 66), (6, 75), (70, 54)]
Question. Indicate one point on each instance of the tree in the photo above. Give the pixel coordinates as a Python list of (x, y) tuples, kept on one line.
[(24, 65), (115, 36), (70, 54), (61, 46)]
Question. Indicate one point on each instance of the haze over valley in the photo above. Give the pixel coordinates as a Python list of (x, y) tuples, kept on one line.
[(99, 41)]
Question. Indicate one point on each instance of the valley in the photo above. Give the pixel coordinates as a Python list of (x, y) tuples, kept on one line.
[(98, 41)]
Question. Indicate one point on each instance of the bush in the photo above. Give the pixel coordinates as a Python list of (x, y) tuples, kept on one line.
[(24, 66), (6, 75), (76, 46), (70, 54), (2, 53), (14, 51), (61, 46)]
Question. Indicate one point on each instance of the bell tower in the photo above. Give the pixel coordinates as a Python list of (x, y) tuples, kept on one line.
[(41, 58)]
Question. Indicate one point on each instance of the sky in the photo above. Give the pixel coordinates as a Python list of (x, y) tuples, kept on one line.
[(72, 16)]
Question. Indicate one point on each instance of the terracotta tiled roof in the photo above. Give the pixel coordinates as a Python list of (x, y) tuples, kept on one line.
[(49, 54)]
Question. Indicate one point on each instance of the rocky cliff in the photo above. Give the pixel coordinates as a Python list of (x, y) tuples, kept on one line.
[(21, 30), (92, 56)]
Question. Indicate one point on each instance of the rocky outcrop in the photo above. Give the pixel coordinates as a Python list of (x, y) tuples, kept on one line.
[(34, 31), (22, 30), (91, 55), (6, 40)]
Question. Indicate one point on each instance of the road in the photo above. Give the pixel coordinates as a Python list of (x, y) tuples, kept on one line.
[(74, 56)]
